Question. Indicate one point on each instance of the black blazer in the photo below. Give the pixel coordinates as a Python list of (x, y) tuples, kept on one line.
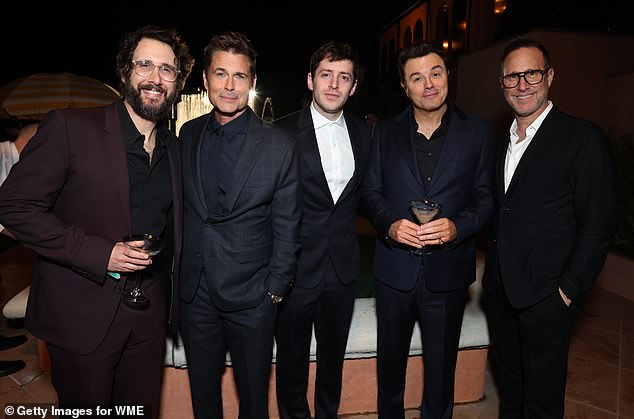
[(253, 248), (329, 229), (461, 183), (553, 226), (68, 199)]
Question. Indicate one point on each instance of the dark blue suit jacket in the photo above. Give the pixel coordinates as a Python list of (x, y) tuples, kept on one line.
[(329, 229), (461, 183), (252, 248), (553, 226)]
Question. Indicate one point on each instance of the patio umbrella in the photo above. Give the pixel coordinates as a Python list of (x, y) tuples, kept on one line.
[(33, 96)]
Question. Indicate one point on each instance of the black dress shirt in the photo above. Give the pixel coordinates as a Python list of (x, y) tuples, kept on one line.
[(428, 149), (150, 180)]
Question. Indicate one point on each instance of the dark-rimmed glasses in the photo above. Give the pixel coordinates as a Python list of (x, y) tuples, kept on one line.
[(530, 76), (145, 68)]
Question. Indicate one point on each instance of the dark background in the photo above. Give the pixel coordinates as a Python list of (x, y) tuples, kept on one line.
[(84, 39)]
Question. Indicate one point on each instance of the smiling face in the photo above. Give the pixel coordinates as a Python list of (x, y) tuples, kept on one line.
[(151, 97), (228, 80), (332, 85), (425, 82), (527, 101)]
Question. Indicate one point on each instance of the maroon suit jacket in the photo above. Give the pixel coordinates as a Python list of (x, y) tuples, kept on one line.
[(68, 199)]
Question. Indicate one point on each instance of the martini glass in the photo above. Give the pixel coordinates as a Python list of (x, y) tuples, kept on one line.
[(424, 211), (135, 297)]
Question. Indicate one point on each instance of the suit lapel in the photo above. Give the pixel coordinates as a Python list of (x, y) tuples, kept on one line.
[(198, 136), (249, 154), (539, 144), (403, 138), (499, 166), (118, 160), (453, 141), (307, 142), (355, 141)]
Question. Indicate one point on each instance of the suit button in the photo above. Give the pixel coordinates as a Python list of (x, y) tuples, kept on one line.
[(199, 254), (209, 224), (504, 209)]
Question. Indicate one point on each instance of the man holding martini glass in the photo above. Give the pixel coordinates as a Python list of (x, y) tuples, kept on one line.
[(86, 179), (433, 152)]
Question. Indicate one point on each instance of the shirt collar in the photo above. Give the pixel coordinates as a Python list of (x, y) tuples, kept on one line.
[(532, 128), (320, 121), (130, 132), (234, 127)]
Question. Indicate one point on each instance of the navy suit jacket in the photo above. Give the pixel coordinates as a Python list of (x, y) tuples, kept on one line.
[(253, 247), (553, 226), (328, 229), (68, 199), (461, 183)]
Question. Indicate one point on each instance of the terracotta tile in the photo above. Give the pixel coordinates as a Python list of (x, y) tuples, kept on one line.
[(467, 410), (575, 410), (602, 310), (593, 383), (41, 389), (28, 373), (627, 353), (594, 344), (626, 391)]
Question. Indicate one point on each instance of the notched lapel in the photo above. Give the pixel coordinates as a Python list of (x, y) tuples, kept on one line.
[(456, 135), (307, 142), (118, 161), (402, 137), (198, 136), (249, 154)]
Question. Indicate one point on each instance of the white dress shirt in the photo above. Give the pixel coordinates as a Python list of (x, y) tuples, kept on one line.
[(516, 148), (335, 151)]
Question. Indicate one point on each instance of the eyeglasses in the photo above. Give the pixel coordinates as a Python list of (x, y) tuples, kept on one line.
[(530, 76), (145, 68)]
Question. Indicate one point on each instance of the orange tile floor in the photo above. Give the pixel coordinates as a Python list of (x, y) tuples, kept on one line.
[(601, 365)]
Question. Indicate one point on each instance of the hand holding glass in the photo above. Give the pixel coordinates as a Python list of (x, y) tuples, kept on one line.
[(424, 211), (135, 297)]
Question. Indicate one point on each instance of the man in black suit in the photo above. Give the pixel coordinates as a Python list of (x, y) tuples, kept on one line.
[(241, 230), (433, 151), (553, 224), (334, 147), (86, 179)]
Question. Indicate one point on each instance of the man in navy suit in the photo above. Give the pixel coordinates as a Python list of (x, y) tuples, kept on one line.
[(433, 151), (334, 148), (553, 224), (86, 179), (241, 233)]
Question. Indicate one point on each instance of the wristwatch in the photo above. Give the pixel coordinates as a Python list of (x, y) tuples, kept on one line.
[(275, 298)]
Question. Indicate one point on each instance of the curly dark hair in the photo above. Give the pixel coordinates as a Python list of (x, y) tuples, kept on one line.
[(335, 51), (171, 37)]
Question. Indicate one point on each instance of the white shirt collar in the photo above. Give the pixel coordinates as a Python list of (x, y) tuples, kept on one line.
[(532, 128)]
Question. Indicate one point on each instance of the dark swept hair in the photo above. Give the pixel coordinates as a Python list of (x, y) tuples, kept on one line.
[(525, 42), (417, 50), (233, 42), (335, 51), (129, 43)]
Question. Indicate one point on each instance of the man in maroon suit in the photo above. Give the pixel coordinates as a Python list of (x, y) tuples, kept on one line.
[(88, 178)]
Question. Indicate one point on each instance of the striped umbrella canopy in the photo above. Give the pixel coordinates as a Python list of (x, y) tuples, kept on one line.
[(33, 96)]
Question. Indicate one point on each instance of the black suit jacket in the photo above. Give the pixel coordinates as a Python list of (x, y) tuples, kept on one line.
[(461, 183), (68, 199), (553, 226), (253, 247), (328, 229)]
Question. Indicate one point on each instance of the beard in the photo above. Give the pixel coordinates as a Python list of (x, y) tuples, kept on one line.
[(153, 111)]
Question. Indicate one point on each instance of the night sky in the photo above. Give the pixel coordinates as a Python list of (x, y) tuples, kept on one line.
[(46, 39)]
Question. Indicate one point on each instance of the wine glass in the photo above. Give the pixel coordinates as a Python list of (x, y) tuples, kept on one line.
[(135, 297), (424, 211)]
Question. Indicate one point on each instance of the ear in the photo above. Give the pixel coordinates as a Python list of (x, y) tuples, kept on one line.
[(354, 88), (550, 75), (255, 81), (309, 81)]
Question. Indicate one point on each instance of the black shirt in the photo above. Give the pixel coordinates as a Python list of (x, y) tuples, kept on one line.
[(428, 149), (150, 181)]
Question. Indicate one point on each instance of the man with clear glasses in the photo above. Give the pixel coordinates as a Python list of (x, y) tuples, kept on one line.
[(554, 220), (86, 179)]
